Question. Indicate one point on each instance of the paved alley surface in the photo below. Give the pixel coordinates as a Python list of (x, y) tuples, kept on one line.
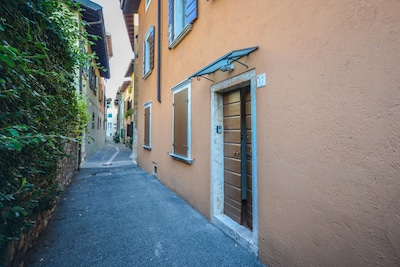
[(115, 214)]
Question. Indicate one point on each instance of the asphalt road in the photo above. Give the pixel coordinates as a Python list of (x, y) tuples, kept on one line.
[(115, 214)]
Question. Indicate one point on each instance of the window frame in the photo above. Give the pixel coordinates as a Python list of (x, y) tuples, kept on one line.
[(148, 52), (147, 4), (185, 85), (147, 105), (189, 8), (93, 81)]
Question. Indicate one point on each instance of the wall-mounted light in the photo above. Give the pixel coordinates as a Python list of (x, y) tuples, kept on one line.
[(227, 67)]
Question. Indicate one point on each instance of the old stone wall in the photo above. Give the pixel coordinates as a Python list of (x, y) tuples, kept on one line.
[(17, 250)]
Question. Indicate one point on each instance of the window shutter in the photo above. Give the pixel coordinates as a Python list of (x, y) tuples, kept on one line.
[(144, 59), (190, 11), (181, 123), (151, 43), (170, 21), (147, 126)]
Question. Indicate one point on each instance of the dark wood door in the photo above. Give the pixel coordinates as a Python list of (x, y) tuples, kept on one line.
[(237, 156)]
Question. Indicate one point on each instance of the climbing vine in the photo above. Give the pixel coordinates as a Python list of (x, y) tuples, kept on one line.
[(40, 109)]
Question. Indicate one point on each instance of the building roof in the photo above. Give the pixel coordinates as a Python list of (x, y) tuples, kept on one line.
[(124, 86), (92, 13), (130, 69), (129, 7), (109, 46)]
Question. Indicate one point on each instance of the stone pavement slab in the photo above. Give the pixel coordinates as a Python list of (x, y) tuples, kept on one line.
[(119, 215)]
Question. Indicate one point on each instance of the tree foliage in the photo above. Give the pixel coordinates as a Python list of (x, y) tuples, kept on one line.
[(39, 108)]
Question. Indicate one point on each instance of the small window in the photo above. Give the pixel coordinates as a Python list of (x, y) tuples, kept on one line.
[(148, 52), (93, 118), (109, 125), (109, 115), (147, 126), (181, 123), (147, 4), (93, 83), (181, 15)]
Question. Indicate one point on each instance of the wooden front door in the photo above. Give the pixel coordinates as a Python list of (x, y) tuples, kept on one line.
[(237, 156)]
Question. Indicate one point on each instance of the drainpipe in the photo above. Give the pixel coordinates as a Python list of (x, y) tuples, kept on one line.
[(159, 53)]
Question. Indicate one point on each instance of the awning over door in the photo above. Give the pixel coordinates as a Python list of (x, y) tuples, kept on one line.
[(224, 61)]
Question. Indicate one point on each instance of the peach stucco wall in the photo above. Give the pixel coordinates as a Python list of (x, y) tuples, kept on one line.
[(328, 122)]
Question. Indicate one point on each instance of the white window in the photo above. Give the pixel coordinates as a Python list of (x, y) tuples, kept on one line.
[(181, 15), (147, 126), (181, 120), (148, 52), (147, 4)]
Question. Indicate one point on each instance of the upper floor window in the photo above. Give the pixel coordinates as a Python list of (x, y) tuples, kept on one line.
[(148, 52), (93, 83), (181, 15), (147, 4)]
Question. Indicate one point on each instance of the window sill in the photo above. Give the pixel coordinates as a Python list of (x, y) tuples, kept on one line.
[(180, 37), (147, 74), (146, 147), (182, 159)]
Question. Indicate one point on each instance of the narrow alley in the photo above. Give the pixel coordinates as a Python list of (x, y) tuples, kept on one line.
[(115, 214)]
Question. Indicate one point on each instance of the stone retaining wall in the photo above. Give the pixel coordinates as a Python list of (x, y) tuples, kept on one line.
[(16, 252)]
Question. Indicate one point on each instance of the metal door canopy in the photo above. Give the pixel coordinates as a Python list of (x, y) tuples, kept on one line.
[(224, 61)]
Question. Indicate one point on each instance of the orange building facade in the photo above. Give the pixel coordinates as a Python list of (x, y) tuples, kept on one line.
[(278, 121)]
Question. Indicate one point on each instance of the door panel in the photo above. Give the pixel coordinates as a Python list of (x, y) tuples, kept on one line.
[(232, 178), (233, 165), (232, 136), (232, 150), (231, 123), (232, 209), (237, 156)]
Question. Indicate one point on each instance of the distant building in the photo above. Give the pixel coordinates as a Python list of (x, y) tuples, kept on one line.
[(93, 85), (111, 120)]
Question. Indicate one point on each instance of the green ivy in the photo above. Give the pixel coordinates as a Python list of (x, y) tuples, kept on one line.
[(128, 113), (40, 109)]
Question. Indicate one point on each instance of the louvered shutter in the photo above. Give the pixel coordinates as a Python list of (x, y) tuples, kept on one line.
[(151, 43), (144, 58), (170, 21), (181, 123), (190, 11), (147, 126)]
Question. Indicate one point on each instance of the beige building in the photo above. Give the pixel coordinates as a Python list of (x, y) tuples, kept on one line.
[(92, 79), (279, 121)]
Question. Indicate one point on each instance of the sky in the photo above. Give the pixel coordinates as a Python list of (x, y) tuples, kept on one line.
[(115, 24)]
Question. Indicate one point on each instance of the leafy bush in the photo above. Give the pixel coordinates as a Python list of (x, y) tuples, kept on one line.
[(116, 138), (39, 108)]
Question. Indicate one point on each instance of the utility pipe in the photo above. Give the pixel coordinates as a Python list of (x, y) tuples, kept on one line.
[(159, 52)]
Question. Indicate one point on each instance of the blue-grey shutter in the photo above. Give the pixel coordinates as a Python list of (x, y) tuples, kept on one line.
[(144, 58), (151, 43), (190, 11), (170, 21)]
